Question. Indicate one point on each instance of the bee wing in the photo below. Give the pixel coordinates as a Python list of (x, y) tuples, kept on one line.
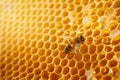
[(77, 49)]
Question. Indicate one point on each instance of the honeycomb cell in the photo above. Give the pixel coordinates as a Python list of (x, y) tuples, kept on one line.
[(50, 68), (58, 69), (66, 70), (103, 62), (112, 63), (64, 62), (116, 4), (54, 76), (74, 71), (82, 72), (105, 70), (45, 74), (92, 49), (72, 63)]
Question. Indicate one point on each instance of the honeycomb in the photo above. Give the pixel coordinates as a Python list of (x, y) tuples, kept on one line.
[(34, 34)]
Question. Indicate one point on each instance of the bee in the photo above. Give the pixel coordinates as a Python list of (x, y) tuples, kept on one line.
[(74, 45)]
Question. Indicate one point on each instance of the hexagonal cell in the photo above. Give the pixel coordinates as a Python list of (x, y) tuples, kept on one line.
[(64, 62), (109, 77), (72, 63), (80, 65), (112, 63), (105, 70), (58, 69), (54, 76), (74, 71), (66, 70), (86, 57), (103, 62), (45, 74), (82, 72)]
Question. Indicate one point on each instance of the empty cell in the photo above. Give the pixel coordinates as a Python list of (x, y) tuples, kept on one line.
[(98, 76), (44, 74), (29, 70), (35, 57), (41, 51), (65, 70), (67, 76), (34, 50), (49, 59), (87, 65), (53, 39), (22, 55), (84, 48), (55, 53), (80, 65), (86, 57), (64, 62), (54, 46), (42, 58), (48, 52), (117, 48), (118, 12), (96, 70), (74, 71), (43, 66), (62, 55), (96, 33), (92, 49), (75, 77), (16, 67), (9, 67), (82, 72), (107, 77), (93, 57), (58, 69), (100, 48), (112, 63), (72, 63), (89, 40), (37, 71), (40, 44), (2, 66), (22, 62), (57, 60), (46, 37), (30, 76), (15, 74), (66, 21), (103, 62), (101, 56), (9, 73), (110, 55), (54, 76), (94, 64), (84, 77), (100, 4), (36, 64), (65, 14), (116, 4), (22, 69), (101, 12), (37, 77)]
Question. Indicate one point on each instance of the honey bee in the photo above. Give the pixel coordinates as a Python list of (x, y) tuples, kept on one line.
[(74, 45)]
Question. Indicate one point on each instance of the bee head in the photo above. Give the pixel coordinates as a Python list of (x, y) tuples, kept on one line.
[(82, 39)]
